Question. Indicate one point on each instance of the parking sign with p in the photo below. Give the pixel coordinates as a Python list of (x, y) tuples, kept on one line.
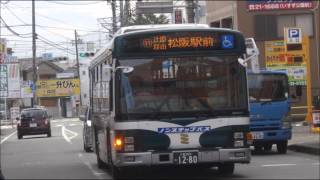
[(293, 35)]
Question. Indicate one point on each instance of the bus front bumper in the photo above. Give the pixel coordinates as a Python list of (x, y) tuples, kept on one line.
[(240, 155)]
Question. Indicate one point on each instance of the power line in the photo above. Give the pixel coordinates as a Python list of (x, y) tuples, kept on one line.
[(15, 15), (46, 41), (52, 27), (74, 3), (62, 49), (11, 30), (53, 19)]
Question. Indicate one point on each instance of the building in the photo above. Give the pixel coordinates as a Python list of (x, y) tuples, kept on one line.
[(181, 12), (265, 21), (58, 88)]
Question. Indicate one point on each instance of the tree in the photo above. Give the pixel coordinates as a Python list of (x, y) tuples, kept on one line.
[(143, 19)]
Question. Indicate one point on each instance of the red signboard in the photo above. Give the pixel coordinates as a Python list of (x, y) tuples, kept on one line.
[(278, 5)]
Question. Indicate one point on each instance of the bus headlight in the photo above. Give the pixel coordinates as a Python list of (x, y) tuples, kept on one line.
[(238, 143), (238, 135), (118, 143)]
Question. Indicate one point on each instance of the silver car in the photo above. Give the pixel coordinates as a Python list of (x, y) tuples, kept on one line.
[(87, 131)]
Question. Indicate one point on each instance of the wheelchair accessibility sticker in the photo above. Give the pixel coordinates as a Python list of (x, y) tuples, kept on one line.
[(227, 41)]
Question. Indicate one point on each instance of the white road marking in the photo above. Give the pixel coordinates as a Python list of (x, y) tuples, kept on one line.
[(317, 164), (94, 172), (7, 127), (65, 120), (6, 138), (65, 136), (277, 165)]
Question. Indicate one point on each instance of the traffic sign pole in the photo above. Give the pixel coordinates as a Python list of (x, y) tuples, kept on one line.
[(308, 118)]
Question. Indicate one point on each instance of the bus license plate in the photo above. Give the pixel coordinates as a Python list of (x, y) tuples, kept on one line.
[(185, 158), (257, 135), (33, 124)]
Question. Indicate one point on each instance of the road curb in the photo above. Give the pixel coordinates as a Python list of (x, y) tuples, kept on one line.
[(305, 149)]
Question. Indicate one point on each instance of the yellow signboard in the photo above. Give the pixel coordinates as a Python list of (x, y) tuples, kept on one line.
[(294, 62), (58, 87)]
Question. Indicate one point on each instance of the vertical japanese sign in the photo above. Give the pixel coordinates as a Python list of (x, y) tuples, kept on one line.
[(13, 80), (3, 50), (26, 89), (294, 62), (3, 80)]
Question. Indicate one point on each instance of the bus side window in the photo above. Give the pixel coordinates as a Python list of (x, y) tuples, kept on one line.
[(111, 93)]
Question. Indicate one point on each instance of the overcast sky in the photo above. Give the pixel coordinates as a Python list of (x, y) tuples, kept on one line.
[(57, 21)]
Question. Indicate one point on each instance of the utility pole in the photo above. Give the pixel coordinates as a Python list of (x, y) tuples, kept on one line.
[(78, 66), (4, 96), (114, 16), (77, 57), (35, 100), (121, 13), (127, 12), (197, 13)]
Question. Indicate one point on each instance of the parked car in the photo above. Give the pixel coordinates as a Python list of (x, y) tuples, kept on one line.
[(33, 121), (87, 131)]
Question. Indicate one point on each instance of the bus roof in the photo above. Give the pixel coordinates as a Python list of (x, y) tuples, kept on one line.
[(158, 26)]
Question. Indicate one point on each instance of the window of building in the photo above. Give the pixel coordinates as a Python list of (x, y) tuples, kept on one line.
[(83, 72), (284, 21), (265, 27), (271, 27), (215, 24), (305, 21), (97, 73), (227, 23)]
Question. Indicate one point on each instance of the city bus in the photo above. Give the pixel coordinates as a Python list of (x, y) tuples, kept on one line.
[(270, 110), (170, 96)]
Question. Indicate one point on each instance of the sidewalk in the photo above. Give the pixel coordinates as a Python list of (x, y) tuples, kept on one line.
[(303, 140), (7, 122)]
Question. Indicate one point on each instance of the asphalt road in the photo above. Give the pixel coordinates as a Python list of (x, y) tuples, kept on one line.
[(62, 157)]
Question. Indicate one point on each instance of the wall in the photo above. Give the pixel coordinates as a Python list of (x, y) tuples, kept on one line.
[(217, 10)]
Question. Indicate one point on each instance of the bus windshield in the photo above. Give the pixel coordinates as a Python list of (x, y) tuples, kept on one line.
[(182, 85), (268, 87)]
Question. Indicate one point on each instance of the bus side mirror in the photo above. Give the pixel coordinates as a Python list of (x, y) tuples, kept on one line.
[(242, 62)]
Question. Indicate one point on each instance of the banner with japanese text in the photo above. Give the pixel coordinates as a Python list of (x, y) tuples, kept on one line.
[(293, 62), (58, 87), (267, 5)]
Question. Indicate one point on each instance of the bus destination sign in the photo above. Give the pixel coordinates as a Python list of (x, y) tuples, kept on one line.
[(163, 42), (171, 42)]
